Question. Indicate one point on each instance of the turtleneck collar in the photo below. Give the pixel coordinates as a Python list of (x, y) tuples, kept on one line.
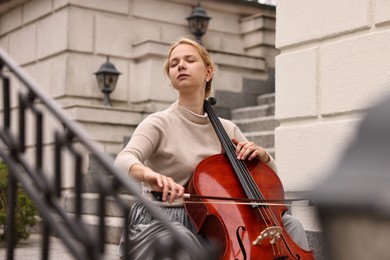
[(189, 115)]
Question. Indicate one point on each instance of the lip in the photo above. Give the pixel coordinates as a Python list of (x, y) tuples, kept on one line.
[(182, 75)]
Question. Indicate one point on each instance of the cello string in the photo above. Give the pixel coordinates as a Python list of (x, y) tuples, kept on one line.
[(245, 178), (249, 179), (230, 152), (256, 191), (265, 212), (238, 166), (226, 144)]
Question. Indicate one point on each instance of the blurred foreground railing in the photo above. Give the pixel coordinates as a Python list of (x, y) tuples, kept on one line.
[(37, 142)]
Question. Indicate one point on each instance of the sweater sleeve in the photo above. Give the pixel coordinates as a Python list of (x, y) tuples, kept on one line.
[(272, 164), (141, 145)]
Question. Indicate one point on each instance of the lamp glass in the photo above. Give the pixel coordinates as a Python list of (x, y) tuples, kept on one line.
[(107, 82), (198, 26)]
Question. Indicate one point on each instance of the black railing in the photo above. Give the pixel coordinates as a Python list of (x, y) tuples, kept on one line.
[(37, 138)]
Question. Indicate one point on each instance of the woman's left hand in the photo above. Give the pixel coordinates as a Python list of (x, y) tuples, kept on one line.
[(249, 150)]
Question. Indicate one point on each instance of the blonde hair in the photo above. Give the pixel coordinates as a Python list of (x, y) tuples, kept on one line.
[(203, 54)]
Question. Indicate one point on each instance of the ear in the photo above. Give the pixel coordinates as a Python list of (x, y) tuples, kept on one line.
[(209, 73)]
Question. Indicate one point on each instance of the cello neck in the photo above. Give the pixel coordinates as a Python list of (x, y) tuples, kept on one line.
[(224, 138), (239, 167)]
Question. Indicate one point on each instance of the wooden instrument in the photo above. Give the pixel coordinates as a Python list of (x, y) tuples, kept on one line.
[(240, 231)]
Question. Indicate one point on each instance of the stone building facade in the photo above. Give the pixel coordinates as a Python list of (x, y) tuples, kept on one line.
[(62, 43), (334, 65)]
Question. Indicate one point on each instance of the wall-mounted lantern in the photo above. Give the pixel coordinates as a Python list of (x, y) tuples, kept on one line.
[(198, 22), (107, 77)]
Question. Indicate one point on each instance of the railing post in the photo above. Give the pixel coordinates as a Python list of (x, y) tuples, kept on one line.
[(6, 101), (45, 240), (11, 225)]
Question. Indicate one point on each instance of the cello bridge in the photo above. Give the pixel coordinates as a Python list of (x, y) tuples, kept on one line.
[(271, 233)]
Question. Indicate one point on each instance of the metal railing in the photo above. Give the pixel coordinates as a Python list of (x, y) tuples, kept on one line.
[(25, 137)]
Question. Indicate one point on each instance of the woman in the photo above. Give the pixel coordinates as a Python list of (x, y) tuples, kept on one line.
[(166, 147)]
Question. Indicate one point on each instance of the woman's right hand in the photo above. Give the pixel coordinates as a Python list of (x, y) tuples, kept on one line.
[(158, 182)]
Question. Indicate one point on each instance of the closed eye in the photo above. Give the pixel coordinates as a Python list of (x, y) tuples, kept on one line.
[(173, 62), (190, 58)]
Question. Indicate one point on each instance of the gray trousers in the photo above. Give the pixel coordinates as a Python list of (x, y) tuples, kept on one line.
[(144, 231)]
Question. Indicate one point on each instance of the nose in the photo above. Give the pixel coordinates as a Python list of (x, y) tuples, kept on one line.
[(181, 65)]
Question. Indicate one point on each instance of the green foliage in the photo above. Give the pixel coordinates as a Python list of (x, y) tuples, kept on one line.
[(26, 211)]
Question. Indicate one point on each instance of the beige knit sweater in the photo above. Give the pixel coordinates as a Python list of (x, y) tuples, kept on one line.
[(172, 142)]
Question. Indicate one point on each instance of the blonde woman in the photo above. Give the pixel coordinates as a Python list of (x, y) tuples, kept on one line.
[(167, 146)]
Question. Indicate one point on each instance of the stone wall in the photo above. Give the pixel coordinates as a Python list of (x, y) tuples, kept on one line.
[(334, 64), (61, 43)]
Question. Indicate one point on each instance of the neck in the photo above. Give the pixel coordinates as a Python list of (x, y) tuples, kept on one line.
[(194, 104)]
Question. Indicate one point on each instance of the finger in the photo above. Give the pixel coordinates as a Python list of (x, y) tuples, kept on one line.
[(239, 146), (253, 155), (173, 190), (172, 194), (166, 188), (180, 191), (159, 181), (247, 149)]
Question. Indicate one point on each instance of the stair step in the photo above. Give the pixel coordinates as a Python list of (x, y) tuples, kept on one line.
[(253, 111), (264, 139), (266, 99), (256, 124), (89, 185), (90, 204), (113, 227)]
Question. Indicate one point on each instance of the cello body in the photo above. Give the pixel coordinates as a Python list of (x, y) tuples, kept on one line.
[(221, 222), (237, 230)]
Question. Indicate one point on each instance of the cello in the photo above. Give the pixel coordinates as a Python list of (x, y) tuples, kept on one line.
[(240, 231)]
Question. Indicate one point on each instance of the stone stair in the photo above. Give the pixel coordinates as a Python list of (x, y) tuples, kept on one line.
[(90, 201), (258, 122), (114, 215)]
